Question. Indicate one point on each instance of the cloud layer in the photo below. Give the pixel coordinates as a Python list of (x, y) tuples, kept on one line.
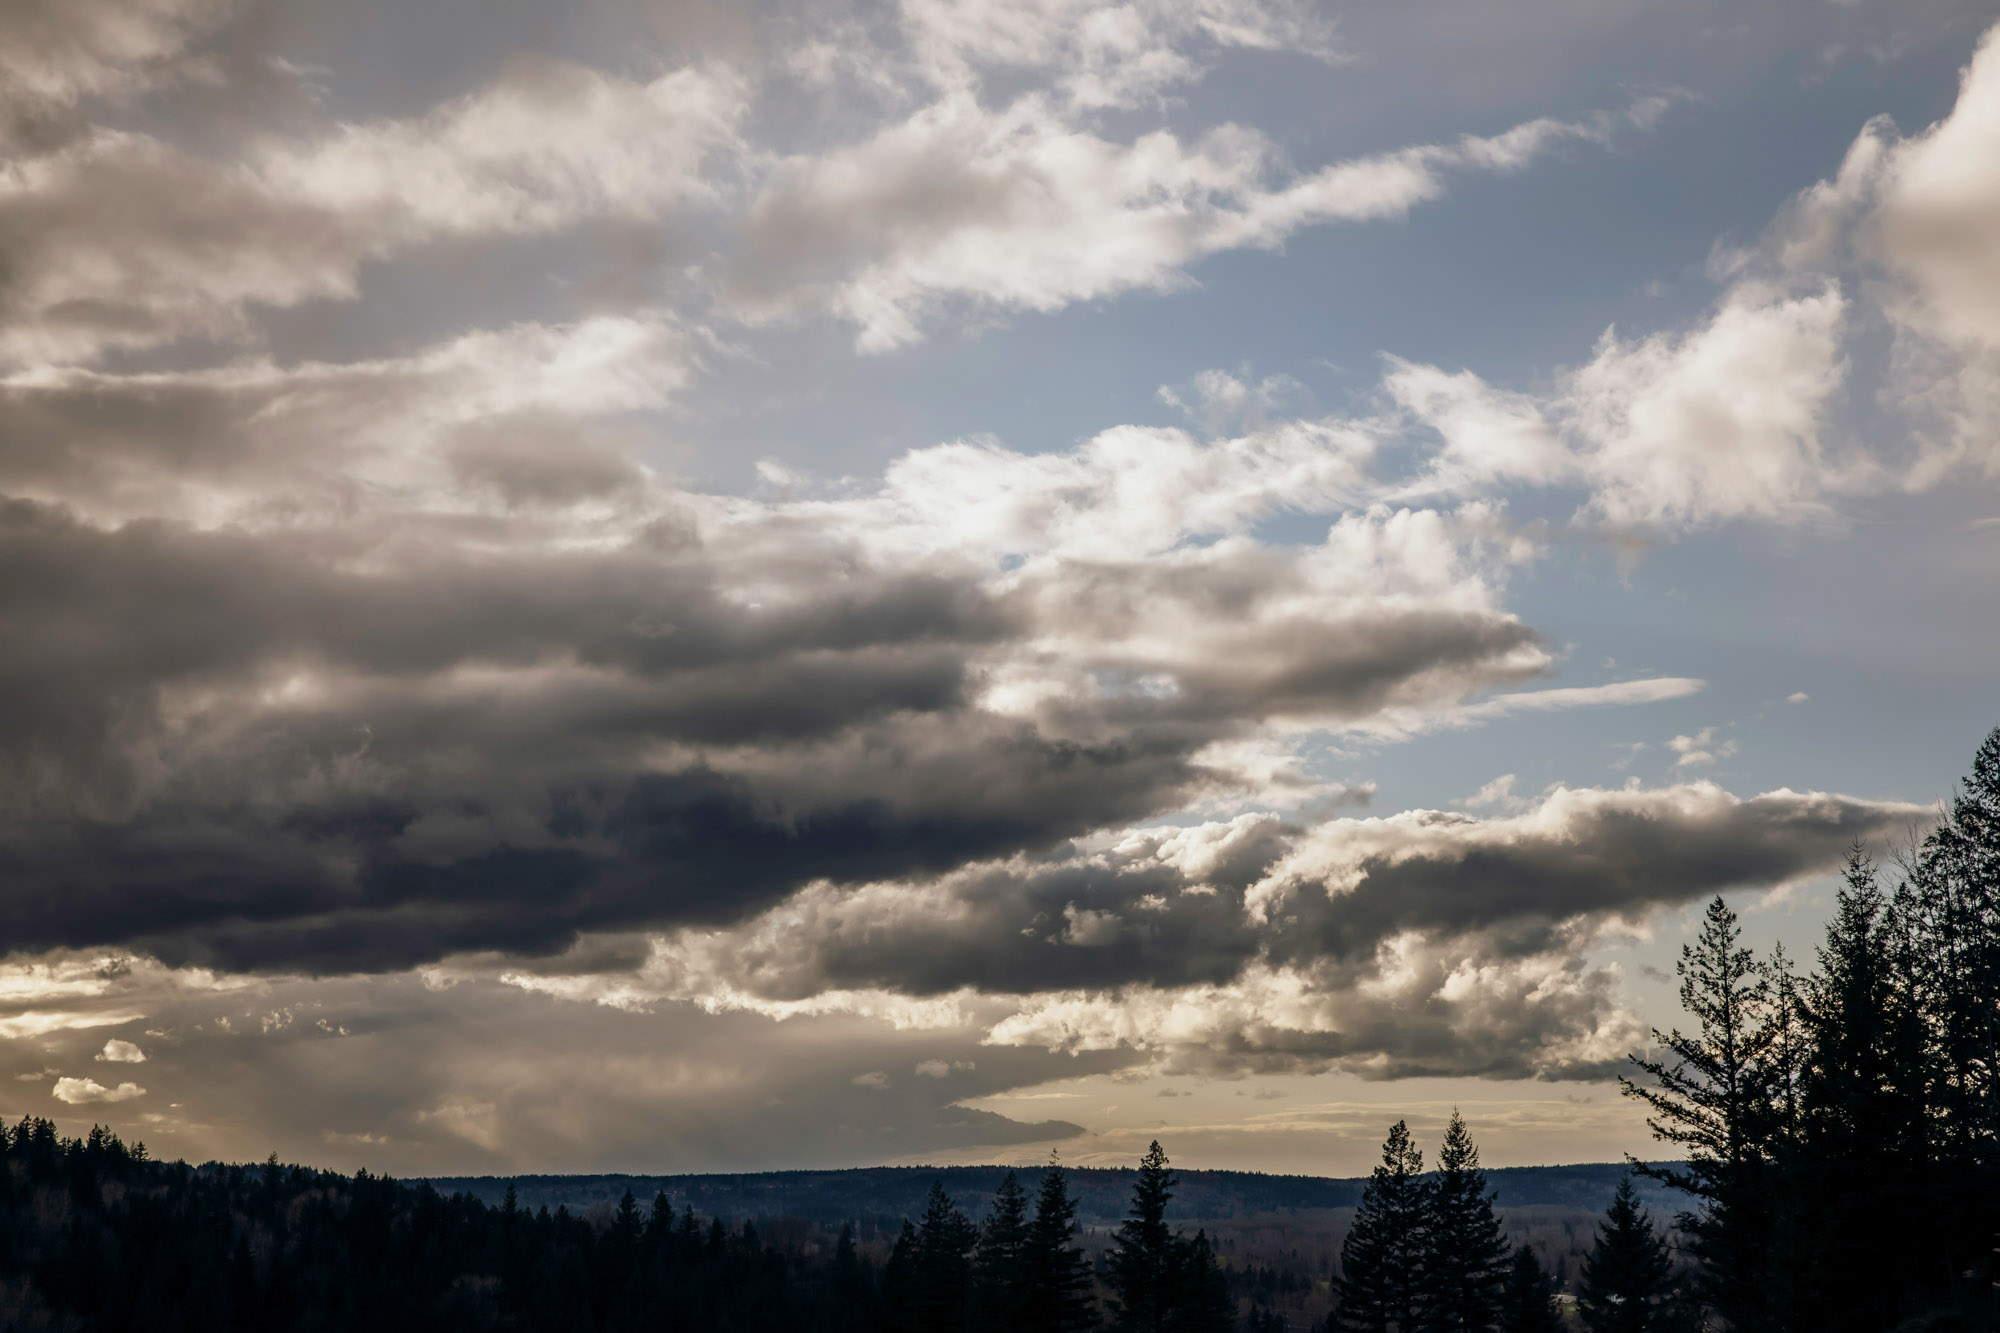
[(419, 673)]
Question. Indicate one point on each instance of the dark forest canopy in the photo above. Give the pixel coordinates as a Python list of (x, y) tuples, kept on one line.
[(1835, 1135)]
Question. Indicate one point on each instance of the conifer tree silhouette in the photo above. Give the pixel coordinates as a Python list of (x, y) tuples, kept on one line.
[(1382, 1259), (1060, 1282), (1626, 1284), (1198, 1298), (1713, 1096), (1465, 1258), (1528, 1304), (1000, 1266), (1143, 1252)]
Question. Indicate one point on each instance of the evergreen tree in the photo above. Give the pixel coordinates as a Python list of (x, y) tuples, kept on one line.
[(941, 1267), (1626, 1285), (1528, 1304), (1199, 1301), (999, 1268), (1143, 1252), (1060, 1283), (899, 1313), (1714, 1098), (848, 1283), (1465, 1259), (1381, 1261), (1947, 912), (1855, 1177), (659, 1219)]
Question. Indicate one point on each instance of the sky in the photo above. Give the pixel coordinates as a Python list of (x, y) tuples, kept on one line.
[(661, 586)]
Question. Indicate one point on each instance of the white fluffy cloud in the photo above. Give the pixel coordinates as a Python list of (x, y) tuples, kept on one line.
[(1935, 218), (83, 1091), (1666, 432), (1723, 422)]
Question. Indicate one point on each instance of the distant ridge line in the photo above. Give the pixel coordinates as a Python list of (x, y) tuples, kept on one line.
[(887, 1193)]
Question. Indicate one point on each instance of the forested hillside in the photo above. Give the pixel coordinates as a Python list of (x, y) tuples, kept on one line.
[(886, 1194)]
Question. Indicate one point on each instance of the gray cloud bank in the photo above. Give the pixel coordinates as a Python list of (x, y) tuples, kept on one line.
[(1422, 943)]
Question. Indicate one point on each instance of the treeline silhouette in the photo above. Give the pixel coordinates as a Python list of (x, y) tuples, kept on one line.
[(1840, 1131), (1842, 1126), (94, 1235)]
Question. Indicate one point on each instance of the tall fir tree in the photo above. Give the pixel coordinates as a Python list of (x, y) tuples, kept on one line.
[(940, 1281), (899, 1313), (1000, 1265), (1382, 1258), (1856, 1176), (1528, 1303), (1060, 1295), (851, 1287), (1143, 1253), (1948, 911), (1713, 1097), (1199, 1300), (1465, 1258), (1627, 1280)]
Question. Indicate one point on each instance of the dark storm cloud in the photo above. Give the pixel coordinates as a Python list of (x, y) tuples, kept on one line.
[(1584, 853), (1423, 944), (100, 625), (346, 668), (309, 748), (142, 767), (1172, 910)]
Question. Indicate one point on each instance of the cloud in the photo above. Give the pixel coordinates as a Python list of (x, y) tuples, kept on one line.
[(304, 654), (123, 240), (473, 1075), (1395, 723), (1668, 432), (1702, 748), (516, 785), (1426, 942), (1490, 436), (1933, 222), (965, 209), (1099, 56), (1721, 423), (1909, 217), (489, 422), (82, 1091), (1497, 794), (54, 53)]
